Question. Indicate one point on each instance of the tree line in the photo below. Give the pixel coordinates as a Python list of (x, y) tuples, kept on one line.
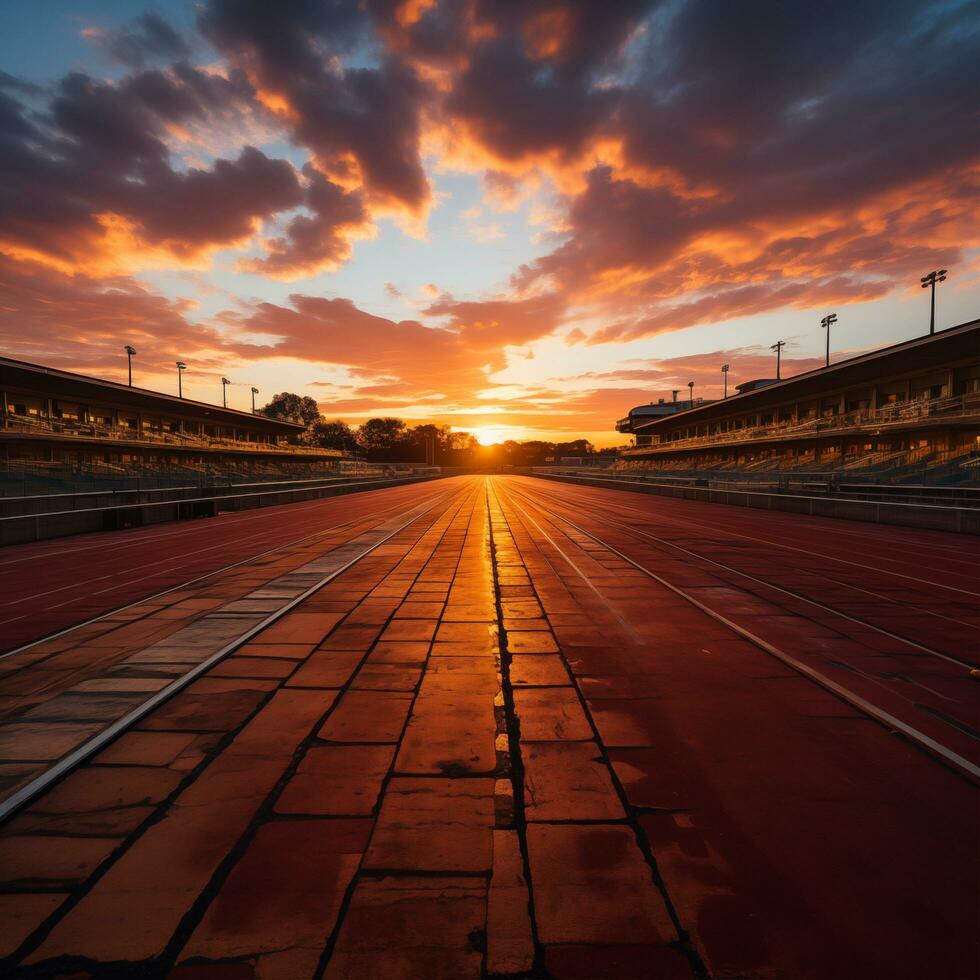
[(392, 440)]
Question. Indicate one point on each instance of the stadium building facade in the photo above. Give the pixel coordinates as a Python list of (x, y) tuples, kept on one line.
[(55, 418), (911, 409)]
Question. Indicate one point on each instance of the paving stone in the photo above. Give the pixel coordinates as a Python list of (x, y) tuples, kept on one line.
[(480, 635), (301, 627), (510, 944), (409, 629), (327, 668), (367, 716), (532, 641), (42, 741), (237, 666), (592, 885), (400, 652), (405, 928), (415, 609), (209, 684), (549, 713), (216, 712), (284, 895), (133, 910), (387, 677), (461, 675), (481, 649), (525, 625), (97, 801), (540, 670), (521, 609), (83, 708), (100, 685), (145, 748), (289, 651), (472, 612), (36, 860), (337, 780), (434, 825), (371, 612), (568, 781), (21, 913), (347, 637), (449, 733)]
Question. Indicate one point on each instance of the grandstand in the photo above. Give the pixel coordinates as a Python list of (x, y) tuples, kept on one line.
[(909, 413), (58, 428)]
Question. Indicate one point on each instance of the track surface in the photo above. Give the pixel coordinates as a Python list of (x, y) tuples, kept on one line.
[(543, 728), (47, 586)]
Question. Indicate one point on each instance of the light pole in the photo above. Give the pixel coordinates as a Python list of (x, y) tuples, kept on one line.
[(938, 275), (690, 386), (778, 348), (224, 391), (724, 371), (675, 392), (130, 351), (181, 368), (827, 322), (255, 391)]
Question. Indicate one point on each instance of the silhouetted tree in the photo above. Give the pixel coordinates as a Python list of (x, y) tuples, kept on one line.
[(293, 408), (383, 433), (332, 435)]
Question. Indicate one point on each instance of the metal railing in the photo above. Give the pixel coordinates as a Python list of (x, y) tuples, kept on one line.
[(949, 409), (185, 440)]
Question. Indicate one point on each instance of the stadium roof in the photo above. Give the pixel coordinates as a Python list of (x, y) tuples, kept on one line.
[(961, 340), (66, 384)]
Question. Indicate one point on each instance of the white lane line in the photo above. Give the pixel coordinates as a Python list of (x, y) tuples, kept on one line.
[(796, 595), (199, 578), (846, 694), (64, 765), (813, 554)]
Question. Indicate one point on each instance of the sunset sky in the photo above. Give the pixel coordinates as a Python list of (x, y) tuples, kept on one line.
[(516, 218)]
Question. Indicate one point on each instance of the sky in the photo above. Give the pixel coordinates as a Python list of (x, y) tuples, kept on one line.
[(516, 218)]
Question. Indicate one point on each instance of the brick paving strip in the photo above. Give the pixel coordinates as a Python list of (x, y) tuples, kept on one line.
[(397, 779), (57, 695)]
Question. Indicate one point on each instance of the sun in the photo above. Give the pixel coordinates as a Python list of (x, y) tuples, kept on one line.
[(489, 435)]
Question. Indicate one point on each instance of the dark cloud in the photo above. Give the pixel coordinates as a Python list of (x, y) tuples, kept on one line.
[(750, 159), (320, 239), (148, 38), (92, 177), (709, 160), (359, 122)]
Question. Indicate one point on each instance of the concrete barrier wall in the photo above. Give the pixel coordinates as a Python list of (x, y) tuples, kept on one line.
[(963, 520), (98, 499), (38, 527)]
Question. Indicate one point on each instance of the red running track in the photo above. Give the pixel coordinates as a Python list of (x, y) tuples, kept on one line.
[(889, 614), (48, 586)]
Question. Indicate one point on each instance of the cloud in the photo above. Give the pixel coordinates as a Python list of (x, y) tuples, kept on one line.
[(491, 324), (320, 239), (90, 186), (362, 124), (83, 322), (424, 360), (682, 163), (148, 38)]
